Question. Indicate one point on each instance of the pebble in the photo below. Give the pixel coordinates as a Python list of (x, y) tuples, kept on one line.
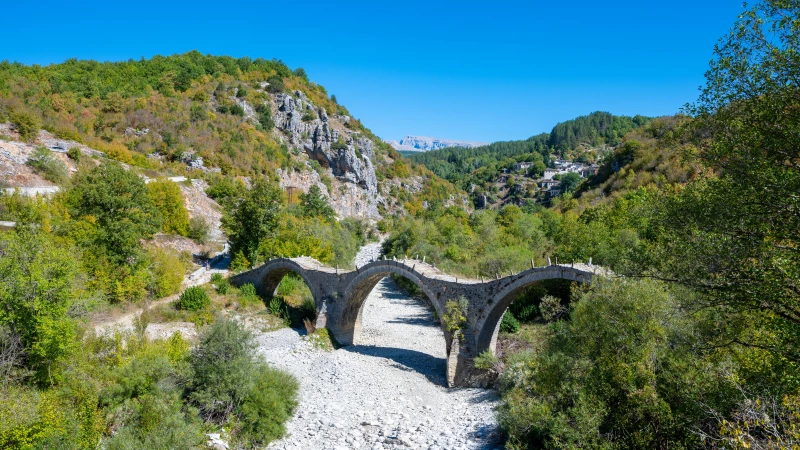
[(388, 391)]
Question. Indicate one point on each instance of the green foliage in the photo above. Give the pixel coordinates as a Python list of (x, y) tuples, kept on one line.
[(74, 154), (37, 285), (49, 167), (26, 123), (509, 323), (230, 383), (621, 374), (551, 308), (194, 298), (167, 271), (275, 84), (314, 204), (117, 203), (455, 315), (253, 218), (486, 360), (166, 196), (248, 290), (569, 182), (199, 229)]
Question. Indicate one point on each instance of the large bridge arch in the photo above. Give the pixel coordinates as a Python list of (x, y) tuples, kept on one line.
[(361, 285), (489, 322)]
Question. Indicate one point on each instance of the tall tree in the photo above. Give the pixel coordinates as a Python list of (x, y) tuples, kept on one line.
[(314, 204), (253, 218), (37, 276), (735, 233), (117, 200)]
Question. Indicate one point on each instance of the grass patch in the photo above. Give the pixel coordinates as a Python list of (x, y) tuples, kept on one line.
[(322, 339)]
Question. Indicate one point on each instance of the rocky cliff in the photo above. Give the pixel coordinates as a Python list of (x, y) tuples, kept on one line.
[(343, 153)]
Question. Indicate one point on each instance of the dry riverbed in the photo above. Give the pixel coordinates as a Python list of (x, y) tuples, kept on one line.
[(386, 392)]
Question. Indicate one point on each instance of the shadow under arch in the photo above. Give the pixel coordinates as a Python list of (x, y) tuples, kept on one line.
[(364, 283)]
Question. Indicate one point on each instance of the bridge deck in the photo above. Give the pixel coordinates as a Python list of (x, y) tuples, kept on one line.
[(429, 271)]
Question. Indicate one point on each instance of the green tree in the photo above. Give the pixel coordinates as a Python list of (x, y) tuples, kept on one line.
[(253, 218), (27, 124), (37, 276), (735, 236), (118, 202), (314, 204), (569, 182), (621, 374), (166, 196)]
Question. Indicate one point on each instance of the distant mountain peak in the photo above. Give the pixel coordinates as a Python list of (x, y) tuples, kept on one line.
[(424, 143)]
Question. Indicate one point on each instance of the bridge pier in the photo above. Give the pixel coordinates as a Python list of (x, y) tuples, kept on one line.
[(339, 297)]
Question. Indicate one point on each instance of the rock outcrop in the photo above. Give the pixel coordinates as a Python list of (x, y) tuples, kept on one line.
[(344, 152)]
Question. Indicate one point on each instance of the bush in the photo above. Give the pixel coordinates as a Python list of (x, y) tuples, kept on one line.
[(509, 324), (194, 298), (49, 167), (229, 381), (74, 154), (199, 229), (236, 110), (167, 271), (551, 308), (486, 360), (166, 196), (275, 84), (269, 403), (26, 123)]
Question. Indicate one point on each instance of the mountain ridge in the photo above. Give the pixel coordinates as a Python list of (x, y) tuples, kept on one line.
[(426, 143)]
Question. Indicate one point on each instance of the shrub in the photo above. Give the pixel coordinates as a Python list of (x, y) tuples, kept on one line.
[(199, 229), (455, 315), (275, 84), (194, 298), (551, 308), (236, 110), (166, 196), (74, 154), (267, 406), (26, 123), (486, 360), (248, 290), (167, 271), (49, 167), (509, 323), (229, 381)]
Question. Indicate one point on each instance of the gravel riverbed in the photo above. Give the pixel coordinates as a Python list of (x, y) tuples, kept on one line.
[(387, 391)]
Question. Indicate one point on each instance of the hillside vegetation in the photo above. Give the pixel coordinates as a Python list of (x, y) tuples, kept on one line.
[(694, 342), (567, 139)]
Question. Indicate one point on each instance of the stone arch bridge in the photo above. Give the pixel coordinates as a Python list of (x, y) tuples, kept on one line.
[(339, 296)]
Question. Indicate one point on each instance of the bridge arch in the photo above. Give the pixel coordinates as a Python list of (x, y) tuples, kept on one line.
[(273, 272), (362, 284), (489, 321)]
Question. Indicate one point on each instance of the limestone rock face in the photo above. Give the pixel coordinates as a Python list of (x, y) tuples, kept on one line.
[(346, 153)]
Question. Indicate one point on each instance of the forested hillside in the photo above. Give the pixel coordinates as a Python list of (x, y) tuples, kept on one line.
[(693, 343), (243, 117), (566, 139)]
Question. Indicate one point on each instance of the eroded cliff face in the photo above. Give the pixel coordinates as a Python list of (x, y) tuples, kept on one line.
[(344, 154)]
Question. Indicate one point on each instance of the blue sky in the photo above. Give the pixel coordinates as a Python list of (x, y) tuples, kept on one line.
[(482, 71)]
